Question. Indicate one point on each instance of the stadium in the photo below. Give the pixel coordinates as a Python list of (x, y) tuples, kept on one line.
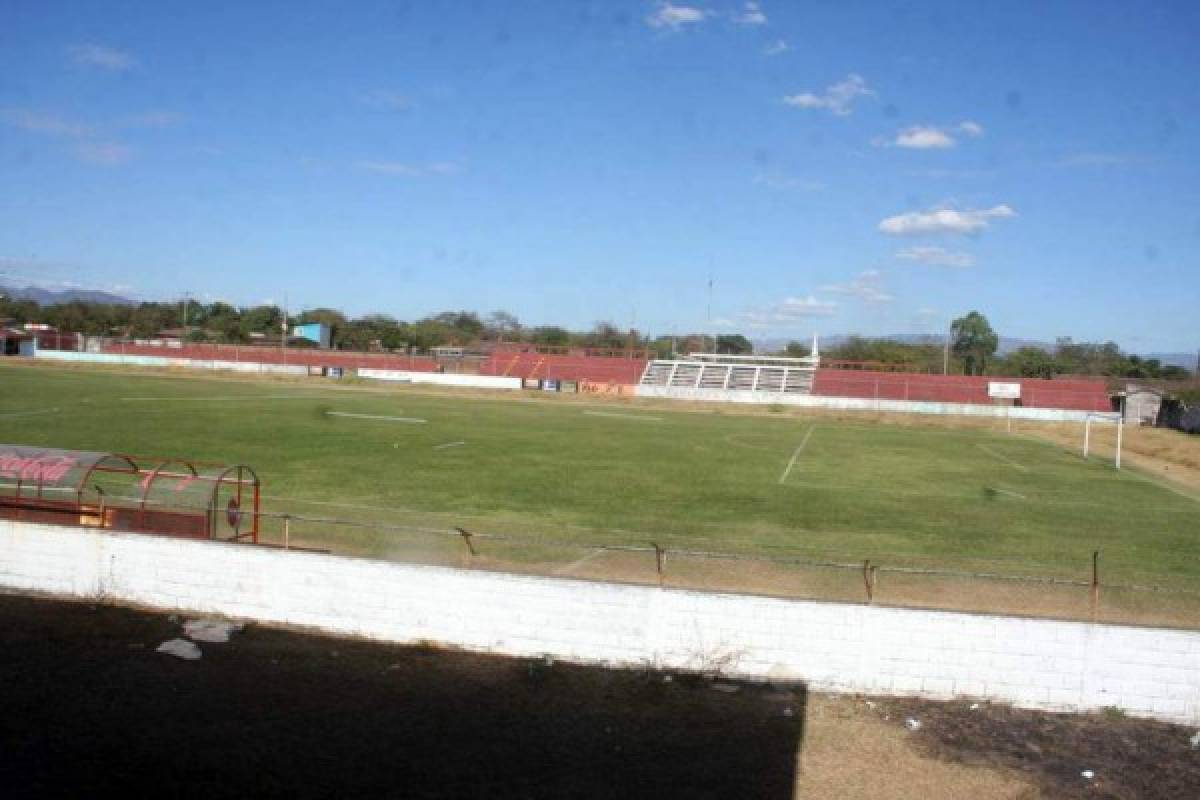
[(648, 398), (742, 473)]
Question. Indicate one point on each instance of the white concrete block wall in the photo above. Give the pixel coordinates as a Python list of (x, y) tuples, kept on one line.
[(441, 378), (1033, 663), (868, 404)]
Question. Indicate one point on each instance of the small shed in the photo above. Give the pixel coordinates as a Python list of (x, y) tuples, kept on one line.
[(168, 496), (1142, 404)]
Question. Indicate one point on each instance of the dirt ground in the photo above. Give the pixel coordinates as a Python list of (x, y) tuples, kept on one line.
[(88, 707)]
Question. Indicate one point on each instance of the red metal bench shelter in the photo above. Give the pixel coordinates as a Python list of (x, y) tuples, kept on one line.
[(168, 496)]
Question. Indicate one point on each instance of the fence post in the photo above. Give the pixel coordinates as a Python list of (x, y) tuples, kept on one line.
[(660, 560), (1095, 583), (466, 537), (287, 531), (867, 572)]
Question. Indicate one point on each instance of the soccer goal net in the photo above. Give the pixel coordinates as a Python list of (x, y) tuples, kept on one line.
[(1102, 435)]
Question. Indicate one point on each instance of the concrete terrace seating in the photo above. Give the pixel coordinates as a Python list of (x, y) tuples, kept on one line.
[(1070, 394), (274, 355), (746, 377), (564, 367)]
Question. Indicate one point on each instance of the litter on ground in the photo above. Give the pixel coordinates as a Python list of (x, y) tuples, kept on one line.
[(215, 631), (180, 648)]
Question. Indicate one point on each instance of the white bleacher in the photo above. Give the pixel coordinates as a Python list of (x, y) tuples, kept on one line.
[(709, 371)]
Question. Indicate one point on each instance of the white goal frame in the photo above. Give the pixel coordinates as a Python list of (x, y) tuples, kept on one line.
[(1087, 433)]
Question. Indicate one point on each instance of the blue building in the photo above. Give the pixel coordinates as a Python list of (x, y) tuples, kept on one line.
[(317, 332)]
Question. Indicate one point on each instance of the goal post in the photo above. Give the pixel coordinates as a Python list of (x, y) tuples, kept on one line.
[(1118, 422)]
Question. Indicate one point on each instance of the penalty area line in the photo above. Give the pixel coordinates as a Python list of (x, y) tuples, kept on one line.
[(996, 454), (448, 444), (622, 416), (413, 420), (791, 463)]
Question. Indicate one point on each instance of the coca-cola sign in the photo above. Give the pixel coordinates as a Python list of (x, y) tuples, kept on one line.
[(42, 468)]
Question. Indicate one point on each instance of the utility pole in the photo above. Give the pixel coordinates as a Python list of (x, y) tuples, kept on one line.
[(946, 351), (708, 314)]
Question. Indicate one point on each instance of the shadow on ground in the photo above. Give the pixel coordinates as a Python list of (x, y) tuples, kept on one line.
[(88, 707)]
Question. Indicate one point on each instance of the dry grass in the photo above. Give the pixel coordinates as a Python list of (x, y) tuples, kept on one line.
[(842, 737)]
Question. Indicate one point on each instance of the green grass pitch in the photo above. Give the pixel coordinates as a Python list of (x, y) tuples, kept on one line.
[(769, 484)]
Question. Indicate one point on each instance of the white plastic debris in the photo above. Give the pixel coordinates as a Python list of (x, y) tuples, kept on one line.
[(912, 724), (215, 631), (1089, 774), (974, 706), (180, 648), (871, 704), (1195, 740)]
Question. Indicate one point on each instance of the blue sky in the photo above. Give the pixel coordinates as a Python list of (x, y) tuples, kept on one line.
[(835, 166)]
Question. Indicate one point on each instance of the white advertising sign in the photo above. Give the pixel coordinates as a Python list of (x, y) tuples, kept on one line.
[(1004, 391)]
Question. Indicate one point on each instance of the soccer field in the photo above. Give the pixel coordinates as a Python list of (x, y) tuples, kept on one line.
[(568, 472)]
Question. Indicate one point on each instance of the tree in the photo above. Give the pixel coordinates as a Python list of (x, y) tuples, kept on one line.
[(974, 342), (734, 344), (1029, 362), (262, 319), (605, 334), (502, 325), (797, 350), (551, 335)]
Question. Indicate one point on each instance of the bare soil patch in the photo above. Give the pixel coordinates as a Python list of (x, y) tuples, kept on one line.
[(87, 707)]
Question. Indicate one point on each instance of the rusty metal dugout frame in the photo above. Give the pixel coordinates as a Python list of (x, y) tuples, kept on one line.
[(167, 496)]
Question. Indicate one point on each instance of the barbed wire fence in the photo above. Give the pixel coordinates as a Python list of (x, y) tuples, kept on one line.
[(1089, 596), (1084, 591)]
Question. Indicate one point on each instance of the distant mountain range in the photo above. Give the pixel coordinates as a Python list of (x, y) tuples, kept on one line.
[(1007, 345), (49, 297)]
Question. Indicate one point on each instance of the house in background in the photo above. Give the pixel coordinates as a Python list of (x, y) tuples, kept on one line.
[(318, 333)]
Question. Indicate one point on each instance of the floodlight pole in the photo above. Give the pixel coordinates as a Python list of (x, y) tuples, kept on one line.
[(946, 351)]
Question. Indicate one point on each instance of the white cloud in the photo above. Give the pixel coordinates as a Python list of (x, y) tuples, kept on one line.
[(970, 128), (385, 100), (401, 169), (867, 286), (97, 55), (937, 257), (788, 312), (784, 182), (837, 99), (45, 123), (923, 138), (673, 17), (944, 220), (751, 14), (930, 137), (103, 154), (776, 48)]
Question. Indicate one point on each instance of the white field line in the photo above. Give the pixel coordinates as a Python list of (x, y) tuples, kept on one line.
[(413, 420), (225, 398), (1010, 492), (622, 416), (788, 470), (35, 413), (996, 454), (1162, 484), (448, 444)]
